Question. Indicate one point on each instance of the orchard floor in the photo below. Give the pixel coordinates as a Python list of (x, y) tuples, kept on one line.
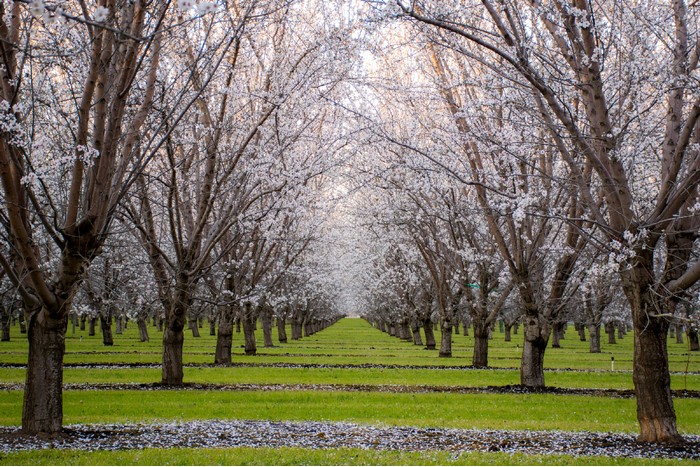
[(346, 390)]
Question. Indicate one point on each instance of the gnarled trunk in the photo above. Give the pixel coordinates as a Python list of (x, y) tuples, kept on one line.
[(534, 346), (42, 411), (429, 335)]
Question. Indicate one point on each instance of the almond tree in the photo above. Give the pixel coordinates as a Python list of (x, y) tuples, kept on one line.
[(614, 85), (68, 150)]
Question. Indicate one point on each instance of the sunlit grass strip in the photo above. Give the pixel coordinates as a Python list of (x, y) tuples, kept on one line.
[(468, 411), (300, 456)]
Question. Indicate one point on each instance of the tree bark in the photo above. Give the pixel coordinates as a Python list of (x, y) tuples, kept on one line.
[(248, 321), (594, 331), (194, 328), (91, 327), (143, 329), (42, 410), (212, 327), (119, 325), (507, 331), (82, 322), (581, 328), (429, 335), (534, 346), (281, 331), (106, 328), (224, 338), (173, 339), (679, 333), (480, 359), (446, 340)]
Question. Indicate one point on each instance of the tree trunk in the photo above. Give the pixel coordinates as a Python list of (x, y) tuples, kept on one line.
[(42, 410), (446, 340), (143, 329), (610, 330), (507, 331), (5, 323), (534, 346), (119, 325), (248, 321), (106, 327), (480, 359), (415, 330), (693, 340), (212, 327), (429, 335), (266, 317), (281, 330), (679, 333), (224, 339), (22, 323), (406, 330), (160, 324), (91, 327), (173, 339), (594, 331), (82, 322), (581, 329), (652, 380), (555, 336), (194, 328)]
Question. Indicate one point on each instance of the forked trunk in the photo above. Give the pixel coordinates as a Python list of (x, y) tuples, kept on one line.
[(446, 340), (594, 331), (106, 327), (534, 346), (42, 411), (173, 339), (143, 329), (281, 331), (480, 359), (429, 335), (224, 338), (415, 331)]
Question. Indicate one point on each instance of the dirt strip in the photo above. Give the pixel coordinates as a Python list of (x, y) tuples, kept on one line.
[(321, 435)]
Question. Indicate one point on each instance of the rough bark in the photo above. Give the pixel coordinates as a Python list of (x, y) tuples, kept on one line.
[(266, 317), (507, 331), (91, 327), (429, 335), (679, 333), (212, 327), (248, 322), (42, 410), (119, 328), (610, 330), (173, 340), (194, 328), (224, 338), (534, 346)]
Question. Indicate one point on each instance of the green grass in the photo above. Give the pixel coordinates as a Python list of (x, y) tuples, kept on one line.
[(483, 411), (349, 342), (299, 456)]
